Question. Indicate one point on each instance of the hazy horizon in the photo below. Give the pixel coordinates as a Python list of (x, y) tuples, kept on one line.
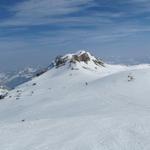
[(47, 60)]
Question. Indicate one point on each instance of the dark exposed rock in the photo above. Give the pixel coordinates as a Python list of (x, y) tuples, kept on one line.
[(40, 72), (3, 93), (99, 62), (2, 97), (81, 57), (60, 61)]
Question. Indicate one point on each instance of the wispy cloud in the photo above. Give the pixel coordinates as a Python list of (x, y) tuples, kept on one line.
[(37, 12), (65, 22), (74, 13)]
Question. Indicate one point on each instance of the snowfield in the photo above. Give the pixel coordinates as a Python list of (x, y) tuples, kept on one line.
[(79, 107)]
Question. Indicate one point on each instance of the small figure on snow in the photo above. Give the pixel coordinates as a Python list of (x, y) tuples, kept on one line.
[(130, 78), (34, 84), (86, 83)]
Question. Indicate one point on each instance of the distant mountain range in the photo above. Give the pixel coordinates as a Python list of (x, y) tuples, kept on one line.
[(12, 79)]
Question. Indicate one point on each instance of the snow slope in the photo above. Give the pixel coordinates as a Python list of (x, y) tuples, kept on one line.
[(79, 109)]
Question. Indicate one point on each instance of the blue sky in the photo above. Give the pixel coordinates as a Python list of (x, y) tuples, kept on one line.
[(32, 32)]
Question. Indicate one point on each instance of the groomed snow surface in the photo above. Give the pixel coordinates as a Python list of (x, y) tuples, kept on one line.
[(79, 109)]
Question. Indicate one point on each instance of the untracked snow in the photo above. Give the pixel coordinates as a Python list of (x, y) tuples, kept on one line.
[(79, 107)]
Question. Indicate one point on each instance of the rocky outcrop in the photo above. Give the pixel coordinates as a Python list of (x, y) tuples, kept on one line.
[(60, 61), (82, 56), (3, 93)]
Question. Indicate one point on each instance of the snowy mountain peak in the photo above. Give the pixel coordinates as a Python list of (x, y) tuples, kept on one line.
[(79, 59), (81, 109)]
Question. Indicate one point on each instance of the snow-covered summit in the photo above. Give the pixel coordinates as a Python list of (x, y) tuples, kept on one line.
[(80, 59)]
